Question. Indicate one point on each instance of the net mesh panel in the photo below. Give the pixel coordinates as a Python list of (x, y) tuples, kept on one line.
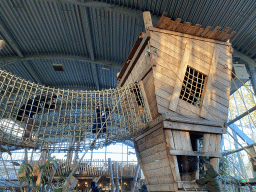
[(75, 118), (192, 87)]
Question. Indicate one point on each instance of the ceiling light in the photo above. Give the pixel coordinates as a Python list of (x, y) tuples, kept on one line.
[(58, 67), (105, 68)]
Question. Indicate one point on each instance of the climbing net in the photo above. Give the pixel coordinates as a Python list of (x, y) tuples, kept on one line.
[(67, 119)]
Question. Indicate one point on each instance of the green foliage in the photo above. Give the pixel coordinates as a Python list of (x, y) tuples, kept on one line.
[(58, 189), (27, 170), (47, 172), (48, 169), (15, 163), (224, 168)]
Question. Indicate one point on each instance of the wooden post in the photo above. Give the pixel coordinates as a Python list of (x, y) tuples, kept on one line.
[(183, 67), (111, 175), (43, 157), (2, 44), (76, 152), (135, 178), (69, 155), (26, 155), (210, 80), (117, 177), (172, 158), (147, 19), (26, 161)]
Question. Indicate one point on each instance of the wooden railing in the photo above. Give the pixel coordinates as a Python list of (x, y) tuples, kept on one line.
[(97, 168)]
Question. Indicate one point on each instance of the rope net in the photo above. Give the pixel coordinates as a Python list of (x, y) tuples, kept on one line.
[(192, 86), (34, 115)]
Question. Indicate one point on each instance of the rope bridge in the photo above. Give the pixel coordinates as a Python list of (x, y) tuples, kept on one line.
[(35, 115)]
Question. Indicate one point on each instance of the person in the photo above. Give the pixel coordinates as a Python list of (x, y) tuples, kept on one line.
[(210, 179), (143, 188), (94, 185), (100, 120), (32, 107), (98, 123)]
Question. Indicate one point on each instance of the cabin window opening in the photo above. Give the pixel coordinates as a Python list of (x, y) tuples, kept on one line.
[(192, 87)]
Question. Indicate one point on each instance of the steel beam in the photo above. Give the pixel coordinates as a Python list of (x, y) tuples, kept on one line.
[(242, 115), (236, 84), (9, 60), (31, 71), (239, 156), (241, 134), (108, 7), (88, 37), (9, 40), (237, 150)]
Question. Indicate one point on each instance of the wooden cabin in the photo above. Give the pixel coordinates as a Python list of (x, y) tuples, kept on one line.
[(185, 75)]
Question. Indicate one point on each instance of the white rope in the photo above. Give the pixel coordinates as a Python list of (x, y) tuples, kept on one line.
[(94, 140), (16, 174), (6, 171), (73, 115)]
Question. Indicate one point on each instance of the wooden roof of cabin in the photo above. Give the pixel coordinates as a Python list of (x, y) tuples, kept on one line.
[(168, 24), (176, 26)]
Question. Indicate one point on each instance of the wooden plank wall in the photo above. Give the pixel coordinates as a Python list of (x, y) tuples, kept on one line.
[(167, 53), (221, 86), (152, 152), (139, 67), (150, 92)]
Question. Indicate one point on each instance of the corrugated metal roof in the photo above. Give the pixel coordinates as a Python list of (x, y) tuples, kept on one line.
[(19, 70), (7, 51), (102, 31), (239, 15)]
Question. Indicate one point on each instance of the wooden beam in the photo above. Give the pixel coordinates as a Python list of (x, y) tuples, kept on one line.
[(130, 56), (181, 74), (208, 88), (195, 153), (191, 121), (193, 127), (147, 19), (188, 36), (161, 19), (135, 58), (172, 158), (5, 150)]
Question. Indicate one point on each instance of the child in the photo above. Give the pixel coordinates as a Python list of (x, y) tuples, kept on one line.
[(33, 106)]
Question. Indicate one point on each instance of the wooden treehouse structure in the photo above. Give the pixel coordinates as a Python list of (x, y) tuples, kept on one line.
[(185, 75)]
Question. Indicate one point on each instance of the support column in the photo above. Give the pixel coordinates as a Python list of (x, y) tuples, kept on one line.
[(117, 177), (135, 178), (111, 175), (239, 156)]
